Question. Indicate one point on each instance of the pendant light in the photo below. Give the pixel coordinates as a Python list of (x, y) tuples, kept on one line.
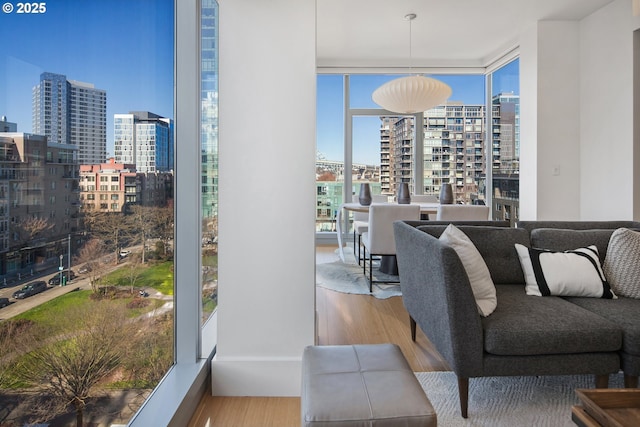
[(412, 94)]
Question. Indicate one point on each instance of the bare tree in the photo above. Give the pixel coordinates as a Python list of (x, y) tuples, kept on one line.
[(70, 364), (164, 225), (31, 228), (10, 331), (133, 269), (144, 220), (91, 255), (110, 227)]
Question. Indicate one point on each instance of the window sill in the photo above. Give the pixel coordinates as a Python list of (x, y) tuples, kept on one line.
[(174, 400)]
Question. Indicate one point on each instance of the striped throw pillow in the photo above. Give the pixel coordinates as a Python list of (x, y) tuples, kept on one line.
[(574, 273)]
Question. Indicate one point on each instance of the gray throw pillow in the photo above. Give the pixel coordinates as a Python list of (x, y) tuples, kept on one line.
[(622, 263)]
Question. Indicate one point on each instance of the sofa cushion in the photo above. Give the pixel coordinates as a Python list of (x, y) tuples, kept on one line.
[(625, 312), (496, 245), (570, 273), (557, 239), (527, 325), (482, 286), (622, 263)]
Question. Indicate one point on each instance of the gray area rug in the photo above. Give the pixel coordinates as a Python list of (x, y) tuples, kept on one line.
[(508, 401), (347, 277)]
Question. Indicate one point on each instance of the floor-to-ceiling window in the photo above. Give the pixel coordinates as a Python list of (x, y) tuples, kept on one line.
[(86, 208), (504, 132), (376, 146), (209, 166)]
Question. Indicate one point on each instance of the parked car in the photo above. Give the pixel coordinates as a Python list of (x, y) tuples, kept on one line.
[(55, 280), (124, 253), (30, 289), (84, 269), (4, 302)]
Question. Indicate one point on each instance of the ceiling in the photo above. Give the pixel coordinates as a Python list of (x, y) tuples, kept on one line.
[(446, 33)]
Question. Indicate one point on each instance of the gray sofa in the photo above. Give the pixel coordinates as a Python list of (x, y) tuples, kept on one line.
[(525, 335)]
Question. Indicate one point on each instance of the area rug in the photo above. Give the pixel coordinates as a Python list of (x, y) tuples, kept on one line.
[(348, 278), (508, 401)]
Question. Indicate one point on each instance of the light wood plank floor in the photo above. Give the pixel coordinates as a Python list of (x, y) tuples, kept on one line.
[(342, 319)]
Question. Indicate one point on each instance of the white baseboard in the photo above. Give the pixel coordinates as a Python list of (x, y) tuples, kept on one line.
[(256, 377)]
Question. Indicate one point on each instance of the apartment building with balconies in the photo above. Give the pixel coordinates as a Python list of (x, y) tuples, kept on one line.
[(38, 201)]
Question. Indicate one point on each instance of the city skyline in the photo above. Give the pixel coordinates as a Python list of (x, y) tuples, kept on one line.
[(467, 88), (108, 47)]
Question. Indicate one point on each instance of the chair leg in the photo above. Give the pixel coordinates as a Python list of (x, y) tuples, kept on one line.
[(354, 242), (630, 381), (413, 329), (359, 244), (602, 381), (370, 272), (463, 394)]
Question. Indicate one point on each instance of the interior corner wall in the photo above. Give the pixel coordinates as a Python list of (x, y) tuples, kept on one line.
[(266, 264), (609, 180), (550, 117)]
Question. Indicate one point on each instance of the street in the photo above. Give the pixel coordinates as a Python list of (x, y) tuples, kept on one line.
[(18, 306)]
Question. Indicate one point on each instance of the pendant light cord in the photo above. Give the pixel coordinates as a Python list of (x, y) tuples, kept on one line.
[(410, 17)]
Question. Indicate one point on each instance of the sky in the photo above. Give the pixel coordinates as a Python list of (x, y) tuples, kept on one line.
[(366, 130), (122, 46), (126, 48)]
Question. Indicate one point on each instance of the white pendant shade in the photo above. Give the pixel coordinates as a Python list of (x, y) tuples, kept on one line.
[(412, 94)]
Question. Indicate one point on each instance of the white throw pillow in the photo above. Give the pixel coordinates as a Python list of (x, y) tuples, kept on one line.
[(574, 273), (622, 263), (484, 291)]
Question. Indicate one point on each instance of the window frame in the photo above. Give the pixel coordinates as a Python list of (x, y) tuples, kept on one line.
[(418, 171), (177, 395)]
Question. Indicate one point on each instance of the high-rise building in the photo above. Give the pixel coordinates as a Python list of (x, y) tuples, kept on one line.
[(506, 130), (453, 150), (385, 155), (209, 108), (506, 141), (71, 112), (145, 140)]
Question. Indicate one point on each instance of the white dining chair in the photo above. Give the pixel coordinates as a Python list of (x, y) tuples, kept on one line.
[(424, 198), (462, 213), (361, 223), (379, 240)]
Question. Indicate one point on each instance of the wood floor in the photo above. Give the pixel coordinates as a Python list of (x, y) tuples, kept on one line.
[(342, 319)]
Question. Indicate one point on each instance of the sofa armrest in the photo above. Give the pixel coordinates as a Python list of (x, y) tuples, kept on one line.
[(437, 294)]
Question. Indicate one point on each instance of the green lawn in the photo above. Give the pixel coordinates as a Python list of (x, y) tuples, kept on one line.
[(47, 313), (156, 276)]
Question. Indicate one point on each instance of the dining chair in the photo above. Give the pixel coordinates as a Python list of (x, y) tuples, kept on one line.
[(379, 240), (425, 198), (462, 213), (361, 223)]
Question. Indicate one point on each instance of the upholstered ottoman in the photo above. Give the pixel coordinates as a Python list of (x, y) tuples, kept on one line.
[(361, 385)]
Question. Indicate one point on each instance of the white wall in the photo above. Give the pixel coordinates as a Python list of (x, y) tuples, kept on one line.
[(550, 117), (577, 151), (609, 181), (267, 214)]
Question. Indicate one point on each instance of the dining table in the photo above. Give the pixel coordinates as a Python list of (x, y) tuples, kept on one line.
[(425, 208)]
